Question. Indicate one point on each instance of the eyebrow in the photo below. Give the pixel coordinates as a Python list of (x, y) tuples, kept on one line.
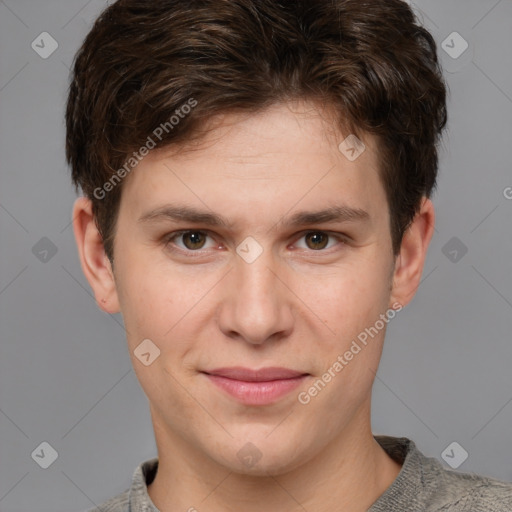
[(193, 215)]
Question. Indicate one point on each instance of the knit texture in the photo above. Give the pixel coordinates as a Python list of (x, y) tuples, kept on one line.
[(423, 485)]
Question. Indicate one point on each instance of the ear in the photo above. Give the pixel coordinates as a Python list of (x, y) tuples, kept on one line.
[(95, 264), (413, 250)]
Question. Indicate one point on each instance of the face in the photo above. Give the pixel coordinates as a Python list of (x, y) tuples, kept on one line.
[(263, 247)]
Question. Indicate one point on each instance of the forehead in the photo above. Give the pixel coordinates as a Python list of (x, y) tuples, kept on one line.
[(282, 156), (295, 127)]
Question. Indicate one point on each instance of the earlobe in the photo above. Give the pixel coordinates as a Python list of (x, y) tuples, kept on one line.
[(95, 263), (413, 250)]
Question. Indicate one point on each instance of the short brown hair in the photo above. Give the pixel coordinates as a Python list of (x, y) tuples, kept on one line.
[(370, 61)]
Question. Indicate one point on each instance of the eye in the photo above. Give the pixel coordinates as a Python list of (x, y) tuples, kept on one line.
[(190, 240), (318, 240), (197, 240)]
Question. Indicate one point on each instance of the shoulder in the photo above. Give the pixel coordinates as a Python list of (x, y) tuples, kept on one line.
[(135, 498), (424, 483), (119, 503), (463, 491), (473, 493)]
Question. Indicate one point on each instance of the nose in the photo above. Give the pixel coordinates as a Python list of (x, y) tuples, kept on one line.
[(258, 305)]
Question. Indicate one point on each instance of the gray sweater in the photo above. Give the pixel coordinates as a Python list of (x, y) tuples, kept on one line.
[(423, 485)]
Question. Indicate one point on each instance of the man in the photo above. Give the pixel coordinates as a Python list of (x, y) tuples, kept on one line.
[(257, 179)]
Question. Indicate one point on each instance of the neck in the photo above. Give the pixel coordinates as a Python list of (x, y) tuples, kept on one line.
[(348, 474)]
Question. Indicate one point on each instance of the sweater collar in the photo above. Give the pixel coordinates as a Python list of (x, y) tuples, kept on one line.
[(398, 496)]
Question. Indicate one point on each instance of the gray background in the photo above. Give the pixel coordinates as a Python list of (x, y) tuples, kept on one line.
[(66, 377)]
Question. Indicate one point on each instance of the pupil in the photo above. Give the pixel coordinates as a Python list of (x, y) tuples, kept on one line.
[(194, 240), (318, 240)]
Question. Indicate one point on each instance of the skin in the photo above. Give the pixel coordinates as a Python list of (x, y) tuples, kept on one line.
[(296, 306)]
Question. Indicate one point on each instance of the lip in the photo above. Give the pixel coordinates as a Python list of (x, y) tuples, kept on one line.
[(256, 387)]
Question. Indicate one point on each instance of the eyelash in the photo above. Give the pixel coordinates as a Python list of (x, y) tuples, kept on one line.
[(168, 241)]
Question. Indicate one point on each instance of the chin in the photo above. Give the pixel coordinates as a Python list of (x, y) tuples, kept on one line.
[(262, 458)]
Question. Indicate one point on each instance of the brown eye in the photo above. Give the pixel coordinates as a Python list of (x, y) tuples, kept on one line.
[(317, 240), (193, 239)]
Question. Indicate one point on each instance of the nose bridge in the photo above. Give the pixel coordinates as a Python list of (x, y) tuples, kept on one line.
[(259, 305), (257, 281), (255, 267)]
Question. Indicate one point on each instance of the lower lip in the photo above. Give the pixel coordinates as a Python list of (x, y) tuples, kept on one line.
[(257, 393)]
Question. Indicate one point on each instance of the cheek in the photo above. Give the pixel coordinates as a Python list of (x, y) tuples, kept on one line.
[(148, 300), (146, 305), (347, 300), (152, 310), (160, 303)]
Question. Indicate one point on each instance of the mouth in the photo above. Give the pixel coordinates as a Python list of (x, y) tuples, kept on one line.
[(256, 387)]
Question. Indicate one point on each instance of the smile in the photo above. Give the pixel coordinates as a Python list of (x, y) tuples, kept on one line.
[(256, 387)]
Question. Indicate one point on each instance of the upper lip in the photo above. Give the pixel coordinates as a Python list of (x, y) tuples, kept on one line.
[(261, 375)]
